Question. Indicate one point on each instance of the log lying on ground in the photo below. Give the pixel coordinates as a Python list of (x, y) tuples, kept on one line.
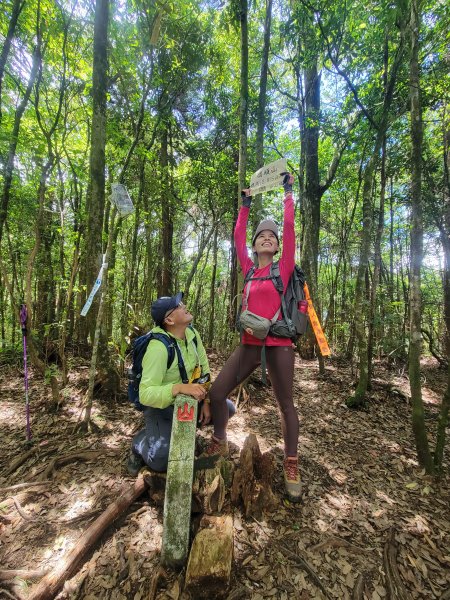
[(49, 586), (251, 482), (156, 483), (209, 565)]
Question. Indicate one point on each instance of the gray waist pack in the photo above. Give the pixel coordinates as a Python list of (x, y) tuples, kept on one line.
[(260, 326)]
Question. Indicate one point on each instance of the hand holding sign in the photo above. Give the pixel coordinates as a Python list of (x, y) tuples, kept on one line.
[(269, 177)]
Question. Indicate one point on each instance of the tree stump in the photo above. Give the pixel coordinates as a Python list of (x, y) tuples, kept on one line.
[(209, 566), (180, 470), (212, 479), (252, 479)]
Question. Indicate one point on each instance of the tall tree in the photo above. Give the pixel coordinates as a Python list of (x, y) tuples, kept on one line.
[(261, 114), (95, 203), (14, 137), (15, 13), (416, 252)]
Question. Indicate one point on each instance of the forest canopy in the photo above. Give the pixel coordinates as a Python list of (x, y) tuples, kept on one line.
[(181, 103)]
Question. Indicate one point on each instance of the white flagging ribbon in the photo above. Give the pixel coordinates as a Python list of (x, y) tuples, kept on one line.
[(97, 284)]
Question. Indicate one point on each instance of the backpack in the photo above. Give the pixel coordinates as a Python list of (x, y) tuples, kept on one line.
[(139, 349), (294, 318)]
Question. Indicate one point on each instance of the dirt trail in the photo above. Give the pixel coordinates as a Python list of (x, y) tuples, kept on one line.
[(362, 488)]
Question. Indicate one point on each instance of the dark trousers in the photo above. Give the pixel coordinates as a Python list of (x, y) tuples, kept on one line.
[(153, 442), (244, 360)]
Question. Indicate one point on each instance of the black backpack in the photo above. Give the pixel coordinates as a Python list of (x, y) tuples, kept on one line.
[(293, 322), (140, 345)]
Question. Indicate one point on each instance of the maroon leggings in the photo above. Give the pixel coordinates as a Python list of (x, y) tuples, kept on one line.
[(243, 361)]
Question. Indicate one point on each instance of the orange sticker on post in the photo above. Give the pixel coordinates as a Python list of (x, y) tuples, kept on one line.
[(315, 323)]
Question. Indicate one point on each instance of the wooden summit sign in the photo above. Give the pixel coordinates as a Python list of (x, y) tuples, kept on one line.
[(268, 177)]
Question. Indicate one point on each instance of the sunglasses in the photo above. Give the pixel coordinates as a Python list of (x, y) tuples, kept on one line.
[(180, 305)]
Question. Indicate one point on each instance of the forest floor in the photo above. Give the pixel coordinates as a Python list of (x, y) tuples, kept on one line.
[(367, 508)]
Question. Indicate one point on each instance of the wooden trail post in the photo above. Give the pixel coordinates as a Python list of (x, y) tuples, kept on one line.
[(180, 472)]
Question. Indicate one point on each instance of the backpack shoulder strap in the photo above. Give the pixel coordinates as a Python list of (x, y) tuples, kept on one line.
[(276, 277), (168, 343), (250, 274), (300, 275), (172, 349), (195, 335)]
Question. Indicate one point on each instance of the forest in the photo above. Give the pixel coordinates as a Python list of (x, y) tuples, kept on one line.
[(170, 107)]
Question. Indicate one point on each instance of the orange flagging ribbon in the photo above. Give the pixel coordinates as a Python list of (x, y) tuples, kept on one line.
[(315, 323)]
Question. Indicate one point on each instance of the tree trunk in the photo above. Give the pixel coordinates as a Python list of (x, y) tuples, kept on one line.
[(360, 303), (445, 236), (243, 106), (312, 195), (167, 220), (87, 424), (261, 115), (377, 264), (9, 163), (15, 13), (441, 428), (95, 202), (212, 292), (415, 304)]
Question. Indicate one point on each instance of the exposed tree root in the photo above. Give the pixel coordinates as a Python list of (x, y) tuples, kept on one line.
[(337, 542), (84, 427), (300, 561), (394, 583), (160, 573), (358, 590), (21, 486), (68, 458), (8, 574)]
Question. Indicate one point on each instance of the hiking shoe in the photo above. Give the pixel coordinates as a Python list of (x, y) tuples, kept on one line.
[(134, 463), (292, 479), (216, 446)]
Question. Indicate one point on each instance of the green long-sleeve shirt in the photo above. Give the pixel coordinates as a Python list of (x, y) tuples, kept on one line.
[(157, 380)]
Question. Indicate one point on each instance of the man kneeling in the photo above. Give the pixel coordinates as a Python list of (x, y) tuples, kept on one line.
[(160, 382)]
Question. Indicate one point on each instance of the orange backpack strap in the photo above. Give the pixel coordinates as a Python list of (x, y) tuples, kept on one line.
[(315, 323)]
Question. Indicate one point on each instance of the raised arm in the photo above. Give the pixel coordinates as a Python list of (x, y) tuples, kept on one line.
[(240, 233), (287, 260)]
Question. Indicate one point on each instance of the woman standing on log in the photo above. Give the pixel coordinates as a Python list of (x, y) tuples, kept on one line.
[(261, 308)]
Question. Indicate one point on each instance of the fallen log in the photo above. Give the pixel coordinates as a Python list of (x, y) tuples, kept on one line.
[(49, 586)]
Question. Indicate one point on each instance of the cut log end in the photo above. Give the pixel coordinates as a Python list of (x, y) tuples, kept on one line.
[(209, 565)]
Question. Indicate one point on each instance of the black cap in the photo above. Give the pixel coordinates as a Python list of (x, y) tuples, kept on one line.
[(163, 304)]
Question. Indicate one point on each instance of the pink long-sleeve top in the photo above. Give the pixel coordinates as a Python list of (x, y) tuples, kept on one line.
[(263, 299)]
